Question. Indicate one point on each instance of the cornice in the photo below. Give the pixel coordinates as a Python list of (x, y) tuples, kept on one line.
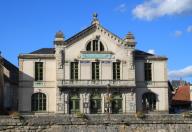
[(36, 56)]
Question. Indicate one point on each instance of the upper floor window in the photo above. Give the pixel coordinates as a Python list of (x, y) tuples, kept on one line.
[(38, 71), (116, 70), (95, 45), (74, 70), (148, 72), (95, 70)]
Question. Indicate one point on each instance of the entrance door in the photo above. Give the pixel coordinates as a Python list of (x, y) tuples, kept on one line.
[(149, 101), (74, 104), (117, 103), (95, 101)]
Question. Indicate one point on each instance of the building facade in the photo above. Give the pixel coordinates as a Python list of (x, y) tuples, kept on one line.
[(93, 72)]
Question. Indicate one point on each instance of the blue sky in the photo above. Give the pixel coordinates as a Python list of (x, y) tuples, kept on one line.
[(160, 26)]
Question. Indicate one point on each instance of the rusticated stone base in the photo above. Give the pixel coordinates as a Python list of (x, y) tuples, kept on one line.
[(96, 123)]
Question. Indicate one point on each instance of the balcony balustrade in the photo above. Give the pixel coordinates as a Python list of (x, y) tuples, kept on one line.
[(102, 83), (113, 83), (152, 84), (36, 84)]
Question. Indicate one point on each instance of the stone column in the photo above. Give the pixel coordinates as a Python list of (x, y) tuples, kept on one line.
[(103, 103), (86, 103), (81, 102), (60, 72), (124, 103), (130, 103), (60, 101), (66, 103)]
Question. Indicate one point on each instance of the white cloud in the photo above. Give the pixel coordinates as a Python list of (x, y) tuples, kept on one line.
[(151, 51), (181, 73), (121, 8), (189, 29), (178, 33), (152, 9)]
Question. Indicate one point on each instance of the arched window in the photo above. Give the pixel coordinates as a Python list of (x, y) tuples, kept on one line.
[(74, 103), (38, 102), (149, 101), (95, 45), (117, 103), (88, 48), (95, 103)]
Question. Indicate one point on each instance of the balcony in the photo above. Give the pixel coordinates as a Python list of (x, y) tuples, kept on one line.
[(96, 83), (36, 84), (152, 84)]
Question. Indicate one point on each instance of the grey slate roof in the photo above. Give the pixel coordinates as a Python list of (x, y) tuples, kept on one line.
[(139, 52), (52, 51), (44, 51)]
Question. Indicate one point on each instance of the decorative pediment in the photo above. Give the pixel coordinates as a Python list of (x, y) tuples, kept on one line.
[(95, 26)]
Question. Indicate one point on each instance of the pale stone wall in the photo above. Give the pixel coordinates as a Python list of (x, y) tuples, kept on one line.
[(125, 55), (159, 84), (27, 86), (85, 68), (106, 71)]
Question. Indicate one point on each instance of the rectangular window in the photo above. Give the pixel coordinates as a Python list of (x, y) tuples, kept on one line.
[(116, 70), (95, 70), (95, 45), (74, 70), (148, 72), (38, 71)]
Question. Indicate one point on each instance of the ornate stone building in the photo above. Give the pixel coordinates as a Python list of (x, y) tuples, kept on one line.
[(94, 72)]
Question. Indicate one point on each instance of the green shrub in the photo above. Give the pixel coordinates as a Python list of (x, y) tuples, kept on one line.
[(80, 115), (15, 115), (140, 115)]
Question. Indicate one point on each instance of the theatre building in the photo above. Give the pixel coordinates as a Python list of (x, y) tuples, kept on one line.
[(92, 72)]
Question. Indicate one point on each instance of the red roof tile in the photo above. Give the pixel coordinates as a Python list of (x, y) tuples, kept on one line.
[(182, 95)]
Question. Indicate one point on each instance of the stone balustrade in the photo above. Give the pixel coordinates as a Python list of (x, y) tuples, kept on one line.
[(97, 83)]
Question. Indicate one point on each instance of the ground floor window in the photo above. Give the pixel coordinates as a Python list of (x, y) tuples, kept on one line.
[(95, 103), (74, 103), (116, 103), (38, 102), (149, 101)]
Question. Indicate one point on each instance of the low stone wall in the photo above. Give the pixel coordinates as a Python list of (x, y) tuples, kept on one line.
[(96, 123)]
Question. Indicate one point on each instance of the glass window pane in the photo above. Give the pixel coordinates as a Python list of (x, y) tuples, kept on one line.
[(38, 102)]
